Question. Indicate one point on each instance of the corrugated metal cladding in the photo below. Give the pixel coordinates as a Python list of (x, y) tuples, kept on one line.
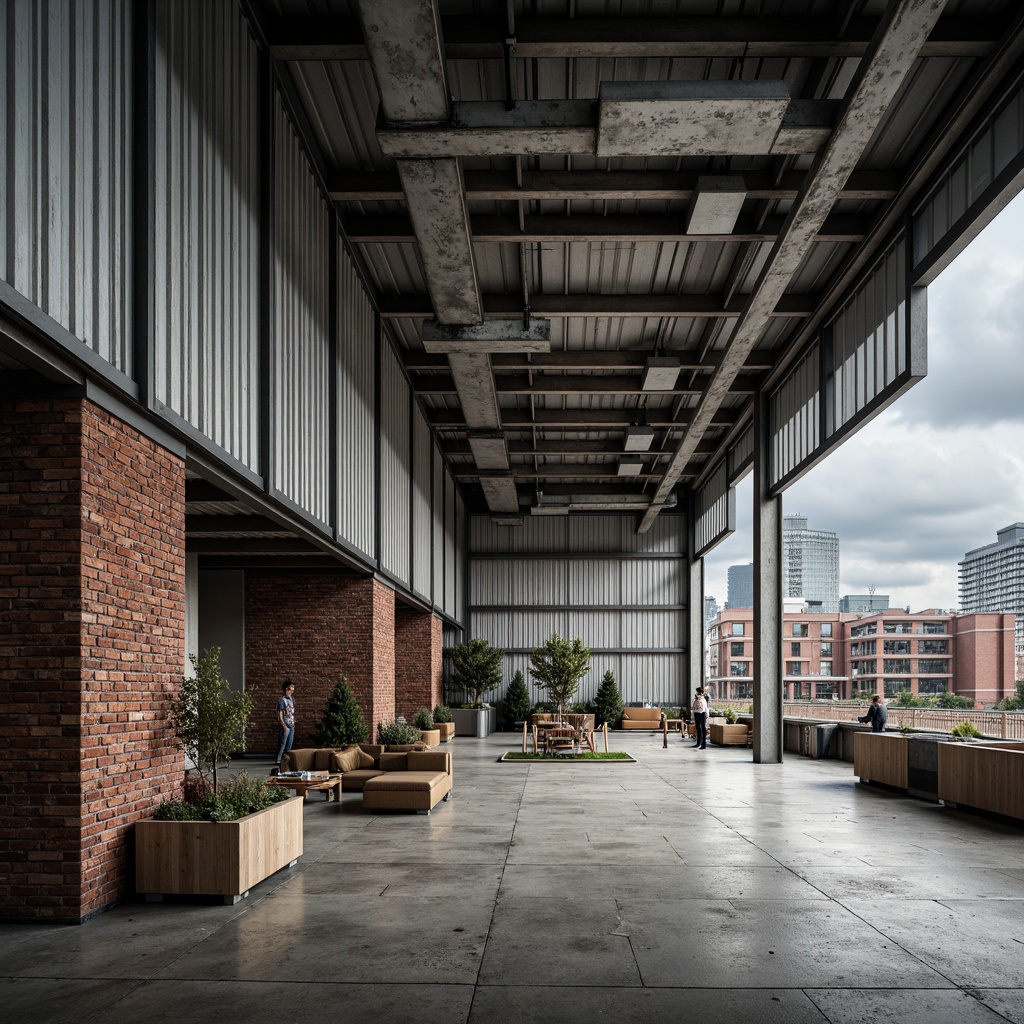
[(395, 460), (713, 509), (794, 416), (205, 203), (460, 558), (579, 533), (438, 563), (422, 514), (656, 679), (357, 404), (300, 329), (65, 190), (583, 577), (451, 546)]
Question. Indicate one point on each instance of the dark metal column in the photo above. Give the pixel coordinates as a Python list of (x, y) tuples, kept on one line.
[(767, 599), (695, 631)]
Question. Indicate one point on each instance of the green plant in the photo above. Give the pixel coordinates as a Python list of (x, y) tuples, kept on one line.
[(905, 729), (730, 714), (517, 700), (207, 717), (395, 733), (342, 722), (954, 700), (477, 668), (965, 730), (423, 719), (235, 799), (442, 713), (559, 666), (607, 701)]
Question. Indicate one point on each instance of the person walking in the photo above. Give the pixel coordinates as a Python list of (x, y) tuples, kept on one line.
[(877, 714), (285, 719), (700, 718)]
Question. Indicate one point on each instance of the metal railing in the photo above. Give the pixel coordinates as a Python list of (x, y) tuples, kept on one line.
[(1006, 725)]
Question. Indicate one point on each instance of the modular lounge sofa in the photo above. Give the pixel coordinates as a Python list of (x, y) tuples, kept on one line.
[(641, 718), (399, 778)]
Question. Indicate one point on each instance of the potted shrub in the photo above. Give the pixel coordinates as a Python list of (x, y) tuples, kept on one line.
[(517, 702), (398, 734), (607, 702), (423, 720), (220, 840), (342, 722), (443, 722), (477, 670)]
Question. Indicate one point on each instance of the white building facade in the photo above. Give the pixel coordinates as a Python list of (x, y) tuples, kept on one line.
[(810, 564), (992, 579)]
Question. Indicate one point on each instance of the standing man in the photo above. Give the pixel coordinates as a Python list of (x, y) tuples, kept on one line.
[(700, 718), (285, 719), (877, 714)]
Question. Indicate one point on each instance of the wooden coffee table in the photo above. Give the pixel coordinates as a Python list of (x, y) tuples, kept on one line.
[(325, 781)]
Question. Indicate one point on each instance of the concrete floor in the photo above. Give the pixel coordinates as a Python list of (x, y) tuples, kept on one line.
[(688, 884)]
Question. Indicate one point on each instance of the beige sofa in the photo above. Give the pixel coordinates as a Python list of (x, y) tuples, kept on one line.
[(386, 776), (641, 718)]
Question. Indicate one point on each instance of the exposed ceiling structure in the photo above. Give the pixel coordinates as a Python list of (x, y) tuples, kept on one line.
[(596, 229)]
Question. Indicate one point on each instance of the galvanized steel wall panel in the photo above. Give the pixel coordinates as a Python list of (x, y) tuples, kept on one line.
[(439, 531), (357, 410), (300, 349), (65, 192), (461, 561), (451, 546), (422, 514), (206, 237), (395, 467)]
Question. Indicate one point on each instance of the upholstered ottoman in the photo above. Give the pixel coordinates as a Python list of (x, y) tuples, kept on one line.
[(417, 781)]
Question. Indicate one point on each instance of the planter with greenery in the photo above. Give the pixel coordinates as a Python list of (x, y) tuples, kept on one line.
[(398, 734), (423, 720), (608, 701), (559, 666), (342, 722), (219, 840), (517, 702), (443, 722), (476, 671)]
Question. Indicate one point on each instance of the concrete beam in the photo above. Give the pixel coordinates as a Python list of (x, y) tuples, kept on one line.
[(419, 307), (501, 493), (536, 383), (715, 205), (579, 419), (475, 385), (570, 128), (490, 336), (694, 118), (905, 27)]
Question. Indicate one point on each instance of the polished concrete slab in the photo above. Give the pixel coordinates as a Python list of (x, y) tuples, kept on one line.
[(691, 882)]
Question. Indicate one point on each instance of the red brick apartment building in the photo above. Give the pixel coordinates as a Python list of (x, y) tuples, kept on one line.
[(835, 654)]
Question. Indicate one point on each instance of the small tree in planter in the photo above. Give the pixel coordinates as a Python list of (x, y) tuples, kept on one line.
[(477, 669), (208, 718), (517, 700), (608, 701), (342, 721), (559, 666)]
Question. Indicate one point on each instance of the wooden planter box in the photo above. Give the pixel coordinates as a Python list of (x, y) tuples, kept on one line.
[(432, 737), (881, 757), (446, 729), (224, 858), (987, 777)]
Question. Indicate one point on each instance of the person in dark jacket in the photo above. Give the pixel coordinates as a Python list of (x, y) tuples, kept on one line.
[(877, 714)]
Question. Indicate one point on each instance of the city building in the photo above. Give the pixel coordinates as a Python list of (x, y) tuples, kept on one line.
[(992, 580), (836, 655), (860, 603), (711, 609), (741, 586), (810, 564)]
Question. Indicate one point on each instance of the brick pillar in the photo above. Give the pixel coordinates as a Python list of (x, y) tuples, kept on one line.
[(92, 628), (417, 660), (311, 629)]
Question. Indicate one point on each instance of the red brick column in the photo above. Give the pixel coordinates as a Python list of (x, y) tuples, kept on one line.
[(311, 629), (92, 606), (418, 637)]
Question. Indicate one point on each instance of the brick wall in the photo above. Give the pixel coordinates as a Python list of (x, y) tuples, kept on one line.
[(984, 662), (310, 629), (93, 603), (418, 637)]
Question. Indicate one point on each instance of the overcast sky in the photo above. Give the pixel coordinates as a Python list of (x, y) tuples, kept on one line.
[(939, 471)]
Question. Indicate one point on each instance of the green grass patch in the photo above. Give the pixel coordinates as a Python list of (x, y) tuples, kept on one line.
[(611, 755)]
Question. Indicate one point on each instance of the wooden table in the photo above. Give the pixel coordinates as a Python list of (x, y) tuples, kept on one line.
[(325, 781), (666, 722)]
